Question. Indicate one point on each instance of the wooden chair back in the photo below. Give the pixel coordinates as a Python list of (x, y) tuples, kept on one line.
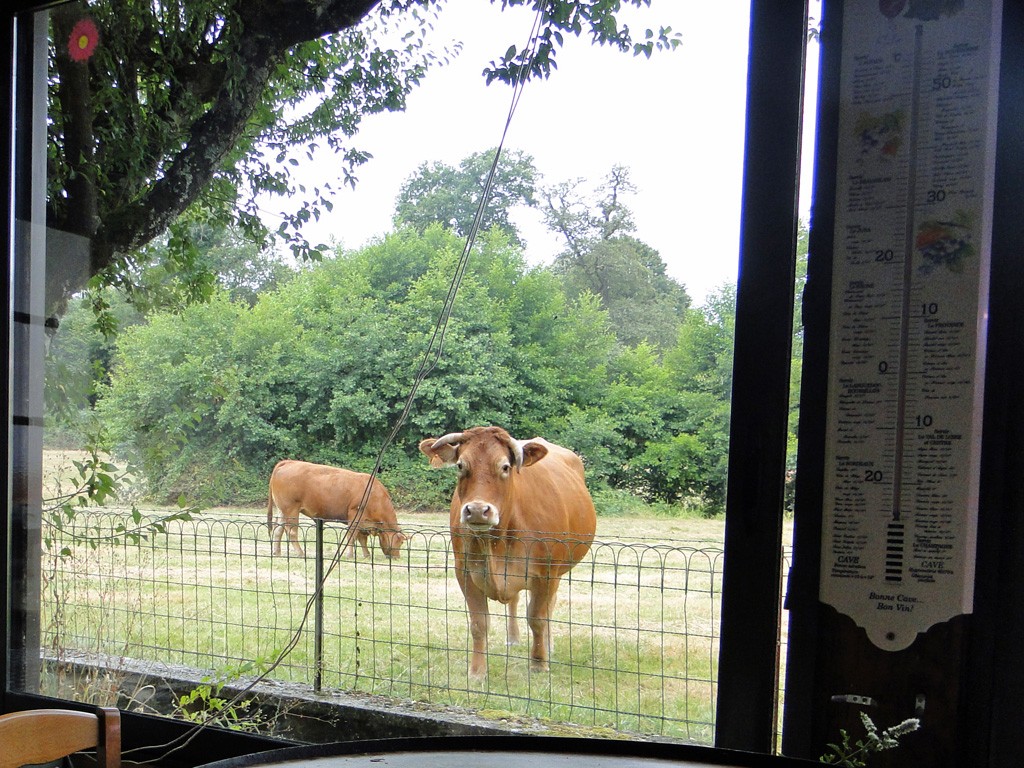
[(43, 735)]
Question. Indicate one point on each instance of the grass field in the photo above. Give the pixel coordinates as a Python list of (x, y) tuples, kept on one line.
[(635, 630)]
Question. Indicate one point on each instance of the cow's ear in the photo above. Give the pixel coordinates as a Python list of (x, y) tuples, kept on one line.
[(443, 456), (533, 452)]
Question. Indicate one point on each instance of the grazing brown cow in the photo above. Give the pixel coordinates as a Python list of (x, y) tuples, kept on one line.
[(330, 493), (521, 518)]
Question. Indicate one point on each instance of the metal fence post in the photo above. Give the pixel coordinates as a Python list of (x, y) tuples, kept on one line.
[(318, 619)]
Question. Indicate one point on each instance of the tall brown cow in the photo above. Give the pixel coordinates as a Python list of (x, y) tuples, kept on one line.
[(330, 493), (521, 518)]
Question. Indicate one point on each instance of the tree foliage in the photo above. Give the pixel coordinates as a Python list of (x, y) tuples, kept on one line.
[(701, 366), (179, 104), (187, 112), (583, 219), (602, 257), (321, 367), (440, 193)]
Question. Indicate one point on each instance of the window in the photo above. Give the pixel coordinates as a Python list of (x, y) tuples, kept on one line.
[(143, 564)]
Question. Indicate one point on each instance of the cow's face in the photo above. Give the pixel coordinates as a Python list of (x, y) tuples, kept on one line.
[(488, 460), (391, 541)]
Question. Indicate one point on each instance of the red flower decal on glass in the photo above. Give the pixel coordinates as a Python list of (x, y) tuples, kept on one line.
[(83, 40)]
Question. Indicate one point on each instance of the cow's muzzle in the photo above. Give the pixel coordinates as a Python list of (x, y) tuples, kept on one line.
[(479, 514)]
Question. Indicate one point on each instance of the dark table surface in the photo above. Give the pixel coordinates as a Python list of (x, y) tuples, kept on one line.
[(505, 752)]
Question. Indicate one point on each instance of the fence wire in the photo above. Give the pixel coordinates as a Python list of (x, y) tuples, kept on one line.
[(634, 628)]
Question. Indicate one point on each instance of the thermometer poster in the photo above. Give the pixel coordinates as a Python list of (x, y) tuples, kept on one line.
[(918, 99)]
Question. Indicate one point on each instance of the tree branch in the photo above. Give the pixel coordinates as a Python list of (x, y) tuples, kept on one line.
[(268, 29), (292, 22)]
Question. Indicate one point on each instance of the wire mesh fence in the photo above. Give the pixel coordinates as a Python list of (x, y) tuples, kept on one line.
[(634, 629)]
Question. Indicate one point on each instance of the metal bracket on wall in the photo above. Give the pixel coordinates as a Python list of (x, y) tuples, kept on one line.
[(853, 698)]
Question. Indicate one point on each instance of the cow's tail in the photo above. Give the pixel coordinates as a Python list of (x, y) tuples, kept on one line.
[(270, 505)]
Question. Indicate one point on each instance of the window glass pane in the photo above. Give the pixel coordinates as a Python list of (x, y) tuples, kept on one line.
[(204, 288)]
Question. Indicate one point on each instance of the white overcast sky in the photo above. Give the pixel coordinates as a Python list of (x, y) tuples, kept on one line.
[(675, 120)]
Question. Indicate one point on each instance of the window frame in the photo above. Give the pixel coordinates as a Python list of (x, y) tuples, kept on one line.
[(752, 604)]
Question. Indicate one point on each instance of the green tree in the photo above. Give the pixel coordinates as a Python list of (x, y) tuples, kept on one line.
[(702, 359), (82, 343), (170, 378), (516, 351), (582, 218), (157, 278), (699, 369), (440, 193), (203, 106), (603, 258), (79, 356), (394, 263), (321, 368), (594, 435), (638, 403), (242, 268)]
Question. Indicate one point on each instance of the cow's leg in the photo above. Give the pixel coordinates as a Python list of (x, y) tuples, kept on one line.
[(364, 539), (293, 535), (350, 548), (538, 612), (512, 620), (275, 536), (552, 599), (290, 525), (476, 603), (361, 538), (287, 524)]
